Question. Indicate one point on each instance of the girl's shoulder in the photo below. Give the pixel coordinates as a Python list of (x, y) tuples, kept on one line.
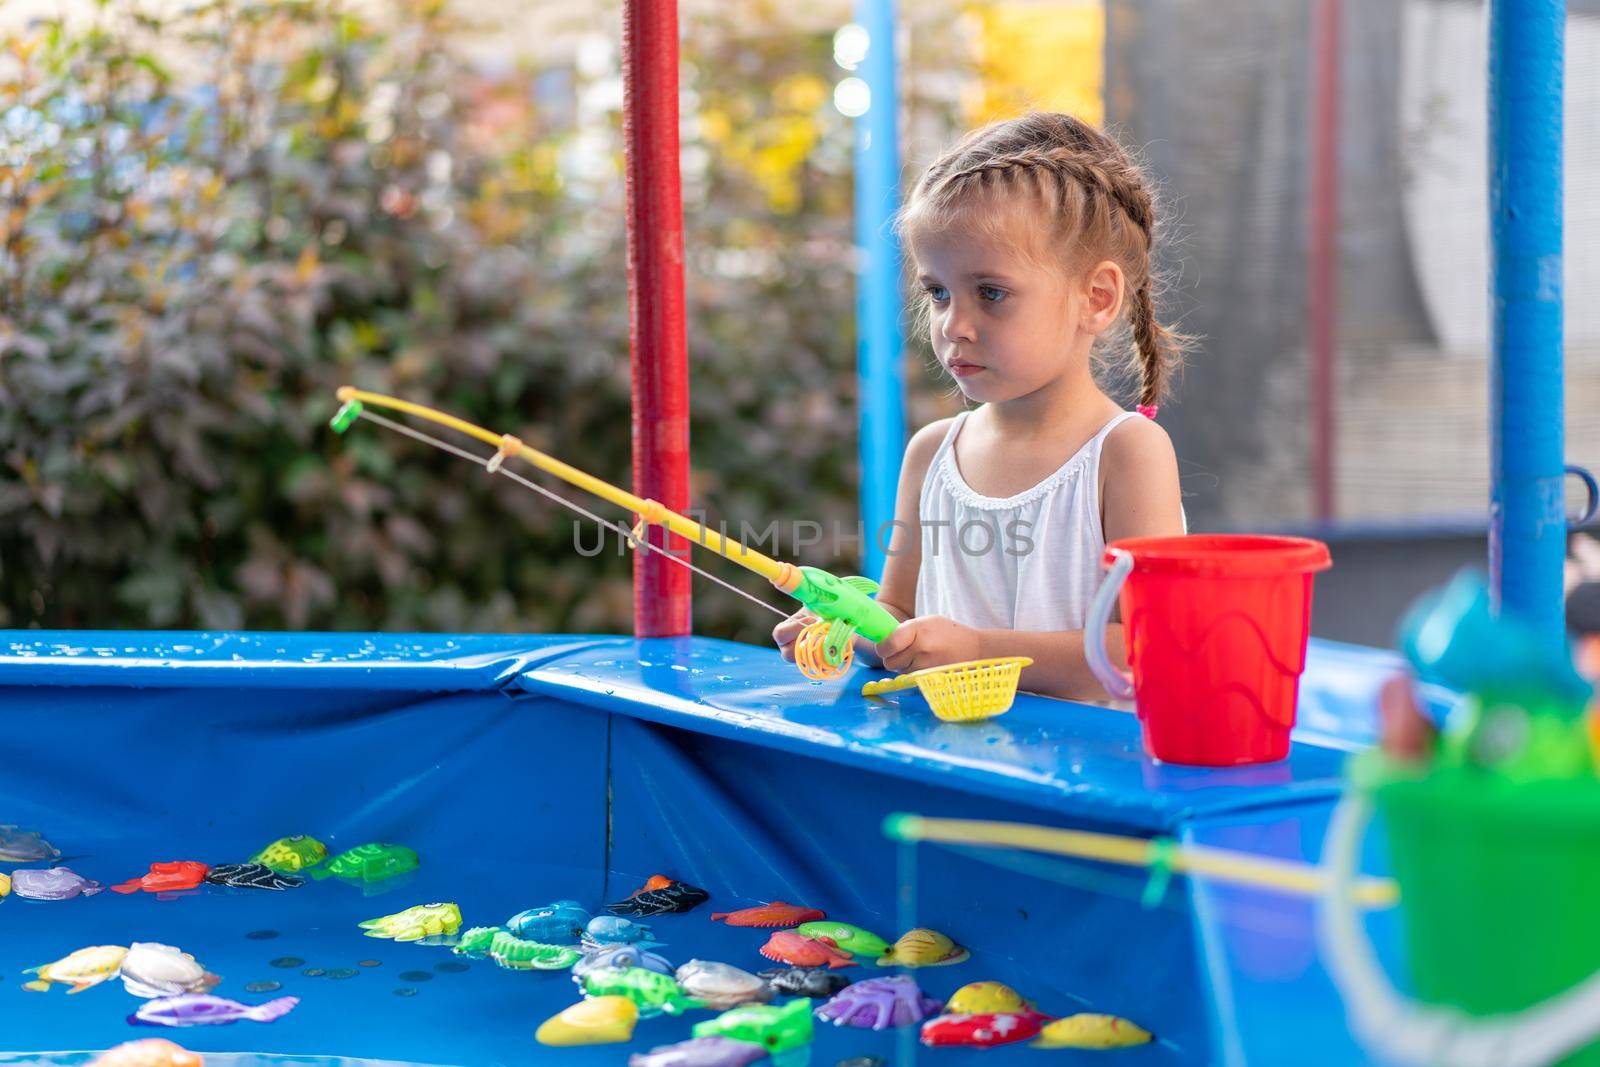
[(1136, 442), (924, 445)]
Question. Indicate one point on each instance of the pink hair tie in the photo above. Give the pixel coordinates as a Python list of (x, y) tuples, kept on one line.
[(1148, 410)]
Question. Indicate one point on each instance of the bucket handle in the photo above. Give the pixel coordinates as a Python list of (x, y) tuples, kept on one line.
[(1116, 681), (1413, 1034), (1589, 483)]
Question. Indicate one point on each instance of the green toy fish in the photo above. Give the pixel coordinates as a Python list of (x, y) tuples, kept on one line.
[(652, 992), (416, 923), (476, 941), (775, 1028), (851, 939), (515, 954), (291, 854), (369, 863)]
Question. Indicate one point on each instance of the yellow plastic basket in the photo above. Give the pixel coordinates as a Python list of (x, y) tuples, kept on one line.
[(961, 692)]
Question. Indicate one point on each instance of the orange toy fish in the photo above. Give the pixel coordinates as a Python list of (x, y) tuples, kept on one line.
[(777, 913), (151, 1052), (798, 950), (166, 878), (657, 881)]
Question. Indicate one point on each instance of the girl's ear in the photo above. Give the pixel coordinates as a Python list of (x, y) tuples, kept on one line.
[(1103, 291)]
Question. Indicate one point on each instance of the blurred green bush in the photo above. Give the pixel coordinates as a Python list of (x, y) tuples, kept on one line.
[(189, 265)]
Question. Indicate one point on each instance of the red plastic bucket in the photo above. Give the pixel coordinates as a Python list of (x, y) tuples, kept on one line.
[(1216, 629)]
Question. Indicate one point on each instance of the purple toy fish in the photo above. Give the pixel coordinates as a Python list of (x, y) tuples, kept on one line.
[(57, 883), (701, 1052), (203, 1009), (879, 1003)]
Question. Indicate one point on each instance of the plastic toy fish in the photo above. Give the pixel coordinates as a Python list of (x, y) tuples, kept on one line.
[(656, 899), (24, 846), (851, 939), (559, 923), (291, 854), (720, 986), (979, 998), (818, 983), (619, 957), (701, 1052), (416, 923), (601, 1021), (251, 876), (5, 886), (653, 993), (56, 883), (983, 1030), (152, 970), (879, 1003), (80, 970), (923, 948), (777, 1028), (611, 930), (785, 946), (777, 913), (1092, 1031), (516, 954), (150, 1052), (370, 863), (476, 941), (203, 1009), (167, 877)]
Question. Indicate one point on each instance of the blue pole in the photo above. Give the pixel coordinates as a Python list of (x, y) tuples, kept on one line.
[(1527, 520), (881, 389)]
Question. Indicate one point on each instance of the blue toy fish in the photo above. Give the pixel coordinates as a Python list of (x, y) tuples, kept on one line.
[(606, 930), (619, 957), (558, 923)]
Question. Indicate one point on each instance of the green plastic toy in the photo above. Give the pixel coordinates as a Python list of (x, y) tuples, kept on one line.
[(292, 854), (370, 863), (477, 941), (515, 954), (416, 923), (652, 992), (777, 1028), (851, 939)]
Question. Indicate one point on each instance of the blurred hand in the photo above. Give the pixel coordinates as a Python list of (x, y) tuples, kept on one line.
[(787, 632), (929, 641)]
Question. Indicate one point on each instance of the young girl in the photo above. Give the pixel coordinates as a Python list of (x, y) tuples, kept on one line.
[(1030, 240)]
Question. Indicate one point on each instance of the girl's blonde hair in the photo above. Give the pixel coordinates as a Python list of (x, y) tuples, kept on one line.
[(1096, 196)]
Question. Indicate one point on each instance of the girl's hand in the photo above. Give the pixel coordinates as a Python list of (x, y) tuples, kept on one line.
[(931, 641), (787, 632)]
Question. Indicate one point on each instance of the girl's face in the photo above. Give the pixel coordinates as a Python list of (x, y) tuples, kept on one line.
[(1003, 323)]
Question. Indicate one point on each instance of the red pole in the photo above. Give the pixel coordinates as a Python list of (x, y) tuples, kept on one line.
[(1322, 298), (659, 343)]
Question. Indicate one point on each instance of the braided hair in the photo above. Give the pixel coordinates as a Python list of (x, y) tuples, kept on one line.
[(1097, 195)]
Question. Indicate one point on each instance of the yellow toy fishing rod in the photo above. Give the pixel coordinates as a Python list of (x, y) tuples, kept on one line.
[(845, 605)]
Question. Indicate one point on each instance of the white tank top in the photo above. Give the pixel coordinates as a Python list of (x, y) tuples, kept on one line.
[(1024, 562)]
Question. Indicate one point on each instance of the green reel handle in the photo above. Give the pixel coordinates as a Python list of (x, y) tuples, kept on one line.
[(846, 604)]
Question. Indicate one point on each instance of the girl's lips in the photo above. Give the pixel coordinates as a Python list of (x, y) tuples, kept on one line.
[(964, 370)]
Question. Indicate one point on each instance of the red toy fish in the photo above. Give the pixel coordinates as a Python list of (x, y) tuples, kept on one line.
[(983, 1031), (798, 950), (166, 878), (775, 914)]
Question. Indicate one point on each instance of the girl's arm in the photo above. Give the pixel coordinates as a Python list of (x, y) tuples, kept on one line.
[(897, 591), (1139, 497)]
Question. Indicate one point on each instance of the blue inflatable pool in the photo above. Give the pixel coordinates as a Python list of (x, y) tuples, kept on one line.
[(527, 769)]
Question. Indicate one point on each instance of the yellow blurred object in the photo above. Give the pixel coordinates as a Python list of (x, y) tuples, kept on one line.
[(985, 998), (599, 1021), (923, 948), (150, 1052), (1038, 56), (961, 692), (5, 885), (1091, 1031)]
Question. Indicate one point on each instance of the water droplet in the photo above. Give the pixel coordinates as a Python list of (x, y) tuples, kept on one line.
[(313, 972), (416, 976), (405, 991), (261, 935), (287, 961), (262, 987), (451, 967)]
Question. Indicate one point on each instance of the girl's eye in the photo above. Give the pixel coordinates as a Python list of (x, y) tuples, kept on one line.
[(991, 293), (938, 293)]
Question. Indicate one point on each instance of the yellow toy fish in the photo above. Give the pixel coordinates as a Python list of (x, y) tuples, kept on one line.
[(151, 1052), (923, 948), (599, 1021), (82, 969), (1091, 1031), (5, 885), (985, 998), (297, 853), (416, 923)]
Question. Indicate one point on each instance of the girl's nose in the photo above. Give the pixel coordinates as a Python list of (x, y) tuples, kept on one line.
[(956, 326)]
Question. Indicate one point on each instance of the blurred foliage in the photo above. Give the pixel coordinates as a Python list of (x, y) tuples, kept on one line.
[(189, 266)]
